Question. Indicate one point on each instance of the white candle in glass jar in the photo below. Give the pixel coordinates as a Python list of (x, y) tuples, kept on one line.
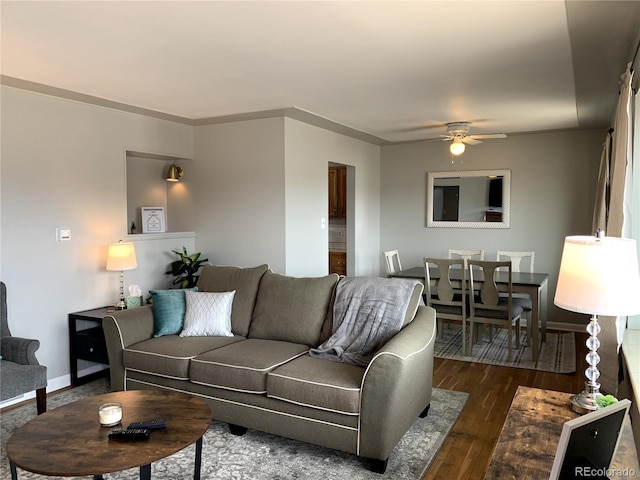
[(110, 414)]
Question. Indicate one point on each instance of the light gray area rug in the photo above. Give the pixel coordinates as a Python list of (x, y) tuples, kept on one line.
[(257, 455), (558, 353)]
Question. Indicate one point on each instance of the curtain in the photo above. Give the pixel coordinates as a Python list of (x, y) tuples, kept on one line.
[(634, 322), (602, 192), (617, 220)]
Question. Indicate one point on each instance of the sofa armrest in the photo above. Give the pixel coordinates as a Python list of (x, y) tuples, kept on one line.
[(121, 329), (20, 350), (397, 385)]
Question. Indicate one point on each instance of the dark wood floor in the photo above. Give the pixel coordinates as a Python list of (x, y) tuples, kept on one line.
[(466, 451)]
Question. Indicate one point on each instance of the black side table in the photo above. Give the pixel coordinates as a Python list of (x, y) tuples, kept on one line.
[(87, 343)]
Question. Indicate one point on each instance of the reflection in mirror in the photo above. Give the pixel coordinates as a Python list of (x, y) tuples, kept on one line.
[(469, 199)]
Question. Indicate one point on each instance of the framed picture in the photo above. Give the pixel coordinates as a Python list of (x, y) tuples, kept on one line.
[(588, 443), (153, 220)]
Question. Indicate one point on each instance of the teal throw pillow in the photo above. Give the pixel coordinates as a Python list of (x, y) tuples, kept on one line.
[(169, 307)]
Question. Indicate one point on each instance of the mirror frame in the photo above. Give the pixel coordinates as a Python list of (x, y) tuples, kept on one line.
[(506, 198)]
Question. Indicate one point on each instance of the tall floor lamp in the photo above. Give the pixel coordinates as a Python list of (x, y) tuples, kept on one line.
[(599, 276), (121, 256)]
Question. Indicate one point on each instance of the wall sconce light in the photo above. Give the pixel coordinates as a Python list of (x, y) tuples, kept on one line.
[(456, 147), (174, 173)]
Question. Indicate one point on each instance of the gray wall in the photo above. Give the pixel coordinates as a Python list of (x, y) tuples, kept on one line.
[(309, 150), (63, 165), (261, 189), (553, 180), (238, 186)]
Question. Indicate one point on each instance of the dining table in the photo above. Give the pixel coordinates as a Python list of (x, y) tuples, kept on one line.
[(534, 285)]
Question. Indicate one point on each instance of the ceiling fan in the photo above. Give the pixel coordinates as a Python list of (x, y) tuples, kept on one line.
[(458, 133)]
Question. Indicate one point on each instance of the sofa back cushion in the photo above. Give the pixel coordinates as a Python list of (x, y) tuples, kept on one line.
[(245, 281), (292, 309)]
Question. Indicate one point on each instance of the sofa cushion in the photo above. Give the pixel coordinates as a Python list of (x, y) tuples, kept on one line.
[(243, 366), (292, 309), (318, 383), (208, 314), (170, 355), (168, 311), (245, 281)]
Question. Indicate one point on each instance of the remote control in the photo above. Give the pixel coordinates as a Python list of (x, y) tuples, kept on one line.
[(150, 424), (130, 434)]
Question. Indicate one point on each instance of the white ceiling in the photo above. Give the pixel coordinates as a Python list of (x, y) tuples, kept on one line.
[(392, 69)]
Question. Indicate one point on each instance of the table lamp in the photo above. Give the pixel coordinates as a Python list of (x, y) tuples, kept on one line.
[(121, 256), (599, 276)]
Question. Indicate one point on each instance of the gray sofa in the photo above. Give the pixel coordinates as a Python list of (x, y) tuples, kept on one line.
[(263, 376)]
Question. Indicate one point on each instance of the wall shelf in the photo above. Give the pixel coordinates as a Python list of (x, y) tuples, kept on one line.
[(144, 237)]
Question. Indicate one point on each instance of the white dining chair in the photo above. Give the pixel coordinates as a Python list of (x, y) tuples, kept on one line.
[(392, 261), (466, 255), (516, 259)]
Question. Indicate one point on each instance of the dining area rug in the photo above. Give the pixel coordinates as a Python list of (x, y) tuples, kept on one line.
[(261, 456), (557, 354)]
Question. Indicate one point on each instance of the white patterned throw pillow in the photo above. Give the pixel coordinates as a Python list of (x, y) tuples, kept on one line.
[(208, 314)]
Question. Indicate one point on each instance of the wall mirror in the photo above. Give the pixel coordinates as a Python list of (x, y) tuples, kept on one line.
[(469, 199)]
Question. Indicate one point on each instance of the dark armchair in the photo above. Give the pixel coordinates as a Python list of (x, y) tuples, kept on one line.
[(20, 371)]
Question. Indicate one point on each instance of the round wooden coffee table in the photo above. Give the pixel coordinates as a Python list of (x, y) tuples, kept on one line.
[(69, 441)]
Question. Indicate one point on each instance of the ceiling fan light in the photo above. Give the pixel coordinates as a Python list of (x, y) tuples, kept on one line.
[(456, 147)]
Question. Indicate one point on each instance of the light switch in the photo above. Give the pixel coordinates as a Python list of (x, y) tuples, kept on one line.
[(63, 234), (323, 223)]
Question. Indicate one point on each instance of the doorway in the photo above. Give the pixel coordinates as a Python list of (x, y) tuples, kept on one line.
[(341, 219)]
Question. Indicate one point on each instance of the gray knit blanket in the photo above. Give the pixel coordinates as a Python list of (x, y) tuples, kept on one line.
[(367, 312)]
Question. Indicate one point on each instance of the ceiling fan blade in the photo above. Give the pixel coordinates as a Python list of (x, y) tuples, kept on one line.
[(470, 141), (490, 135)]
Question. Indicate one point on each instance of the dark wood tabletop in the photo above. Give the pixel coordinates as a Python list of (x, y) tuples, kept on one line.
[(69, 441), (531, 432), (517, 278)]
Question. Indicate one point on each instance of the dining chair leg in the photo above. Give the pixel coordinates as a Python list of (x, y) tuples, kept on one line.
[(464, 334)]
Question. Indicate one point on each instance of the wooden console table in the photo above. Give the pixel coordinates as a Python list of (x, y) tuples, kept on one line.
[(527, 444)]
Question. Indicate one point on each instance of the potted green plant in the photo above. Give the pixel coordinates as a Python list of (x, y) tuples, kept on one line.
[(186, 269)]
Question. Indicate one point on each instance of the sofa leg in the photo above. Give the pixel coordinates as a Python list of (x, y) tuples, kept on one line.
[(41, 400), (425, 412), (378, 466), (237, 429)]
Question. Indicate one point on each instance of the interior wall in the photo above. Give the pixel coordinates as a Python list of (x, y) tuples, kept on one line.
[(553, 181), (308, 152), (237, 176), (63, 165), (146, 187)]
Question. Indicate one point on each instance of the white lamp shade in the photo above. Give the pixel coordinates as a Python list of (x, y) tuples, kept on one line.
[(121, 256), (599, 276)]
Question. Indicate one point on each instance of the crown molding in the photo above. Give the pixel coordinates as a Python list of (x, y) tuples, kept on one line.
[(289, 112), (89, 99)]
